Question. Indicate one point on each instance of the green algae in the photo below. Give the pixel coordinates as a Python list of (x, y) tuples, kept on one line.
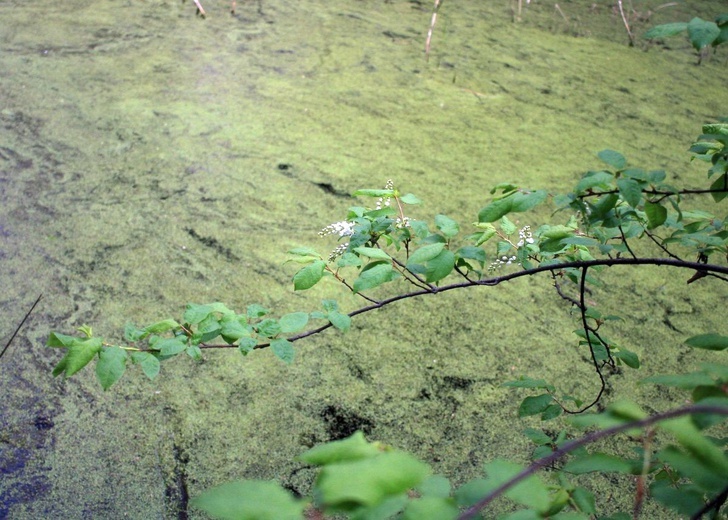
[(135, 136)]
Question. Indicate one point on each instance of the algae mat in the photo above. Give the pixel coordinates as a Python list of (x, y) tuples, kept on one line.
[(149, 158)]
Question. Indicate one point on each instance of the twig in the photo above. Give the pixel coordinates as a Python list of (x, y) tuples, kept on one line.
[(432, 27), (200, 10), (21, 325), (570, 446), (626, 25)]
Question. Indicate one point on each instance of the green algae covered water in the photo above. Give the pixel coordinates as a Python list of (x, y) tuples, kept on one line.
[(149, 158)]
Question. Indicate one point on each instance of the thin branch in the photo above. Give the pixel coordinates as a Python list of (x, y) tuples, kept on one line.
[(626, 244), (570, 446), (661, 246), (562, 294), (655, 192), (409, 275), (587, 330), (714, 504), (27, 315)]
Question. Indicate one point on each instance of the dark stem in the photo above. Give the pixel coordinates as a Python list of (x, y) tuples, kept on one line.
[(570, 446)]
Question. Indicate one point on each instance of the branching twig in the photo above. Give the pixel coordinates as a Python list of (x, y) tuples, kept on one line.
[(570, 446), (491, 282)]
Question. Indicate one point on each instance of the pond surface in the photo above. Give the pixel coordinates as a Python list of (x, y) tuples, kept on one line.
[(150, 158)]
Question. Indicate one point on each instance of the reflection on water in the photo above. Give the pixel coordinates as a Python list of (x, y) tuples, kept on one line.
[(149, 158)]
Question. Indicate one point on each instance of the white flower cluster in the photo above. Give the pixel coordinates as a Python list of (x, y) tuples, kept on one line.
[(525, 235), (503, 260), (385, 201), (400, 223), (343, 229), (338, 251)]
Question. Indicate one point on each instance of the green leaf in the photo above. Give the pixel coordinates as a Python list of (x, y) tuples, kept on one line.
[(614, 159), (373, 252), (531, 492), (447, 226), (195, 313), (440, 266), (692, 468), (720, 183), (232, 329), (601, 179), (79, 354), (472, 253), (255, 310), (688, 435), (170, 346), (247, 345), (708, 341), (666, 30), (160, 327), (373, 275), (598, 462), (538, 437), (348, 485), (656, 214), (533, 405), (684, 381), (409, 198), (355, 447), (430, 508), (283, 349), (584, 500), (309, 276), (250, 500), (518, 201), (269, 328), (686, 502), (435, 486), (629, 358), (148, 362), (293, 322), (339, 320), (702, 33), (425, 253), (552, 411), (62, 340), (111, 366), (630, 191)]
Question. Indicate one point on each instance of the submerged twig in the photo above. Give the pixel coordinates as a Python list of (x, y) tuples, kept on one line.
[(21, 325)]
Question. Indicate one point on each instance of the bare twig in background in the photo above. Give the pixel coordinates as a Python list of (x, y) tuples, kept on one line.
[(626, 24), (432, 27), (566, 19), (20, 326), (200, 10)]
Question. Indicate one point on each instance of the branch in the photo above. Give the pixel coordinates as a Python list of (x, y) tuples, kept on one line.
[(570, 446), (710, 269)]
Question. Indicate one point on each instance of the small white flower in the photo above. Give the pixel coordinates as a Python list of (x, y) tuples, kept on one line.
[(340, 250), (526, 236)]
